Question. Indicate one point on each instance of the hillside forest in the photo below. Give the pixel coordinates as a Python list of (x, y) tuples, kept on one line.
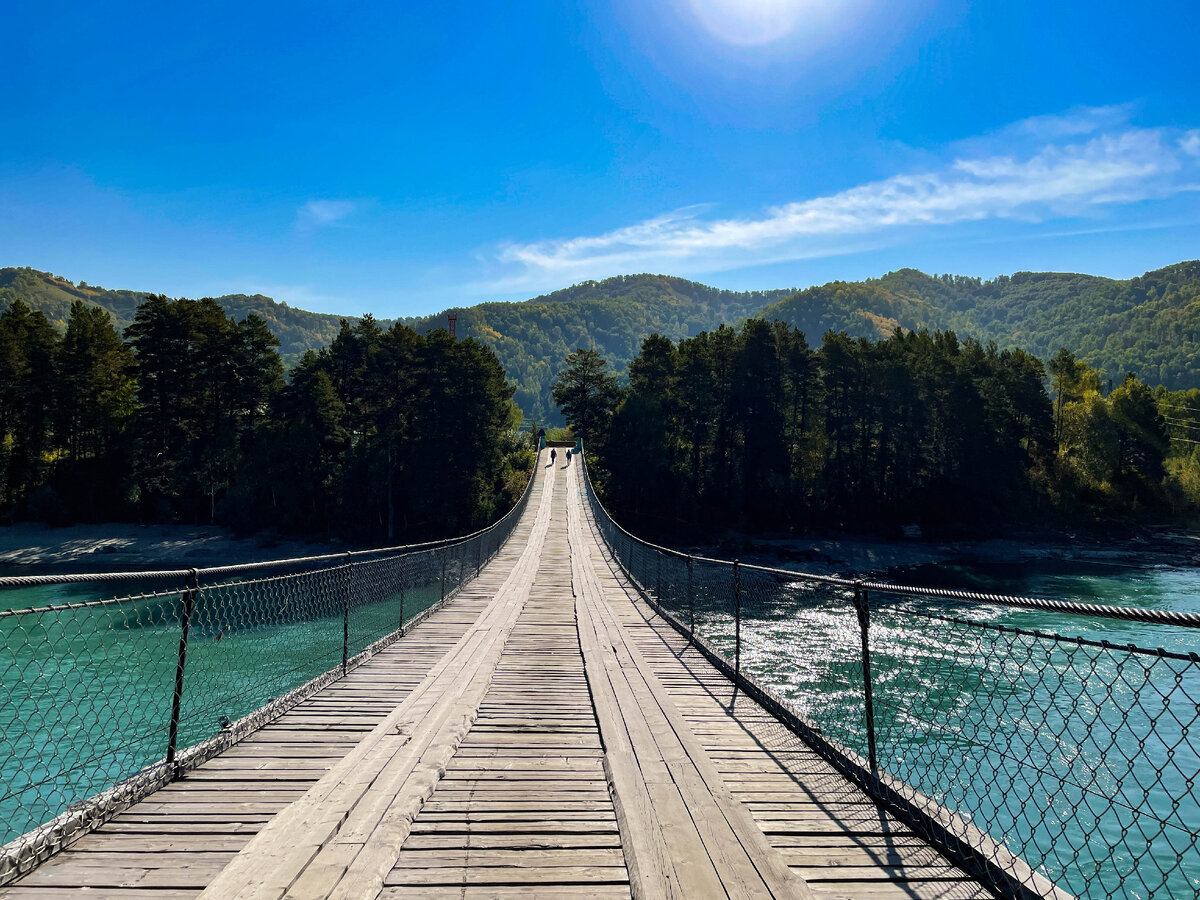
[(192, 411), (754, 429), (1148, 325), (384, 436)]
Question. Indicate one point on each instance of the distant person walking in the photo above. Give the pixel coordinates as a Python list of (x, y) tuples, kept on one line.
[(568, 456), (553, 455)]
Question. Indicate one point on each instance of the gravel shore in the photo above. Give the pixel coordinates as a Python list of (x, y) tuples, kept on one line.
[(855, 555), (115, 547)]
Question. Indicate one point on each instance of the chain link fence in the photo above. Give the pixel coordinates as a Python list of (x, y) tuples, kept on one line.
[(1032, 757), (124, 680)]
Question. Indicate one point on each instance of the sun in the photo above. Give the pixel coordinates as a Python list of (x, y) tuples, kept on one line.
[(751, 23)]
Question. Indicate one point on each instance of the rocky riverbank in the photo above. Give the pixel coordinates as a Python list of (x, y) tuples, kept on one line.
[(855, 555), (116, 547)]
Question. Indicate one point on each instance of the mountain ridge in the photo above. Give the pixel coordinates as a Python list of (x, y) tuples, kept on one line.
[(1149, 324)]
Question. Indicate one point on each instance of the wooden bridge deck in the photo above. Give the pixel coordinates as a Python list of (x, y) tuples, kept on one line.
[(544, 734)]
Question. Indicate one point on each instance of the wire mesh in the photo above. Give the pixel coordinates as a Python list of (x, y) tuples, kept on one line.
[(89, 664), (254, 639), (86, 700), (1079, 755), (1084, 749)]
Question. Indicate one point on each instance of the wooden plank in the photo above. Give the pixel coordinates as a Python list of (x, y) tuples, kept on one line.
[(906, 890), (510, 840), (87, 892), (521, 857), (710, 843), (121, 873), (506, 824), (499, 892), (538, 809), (104, 842), (510, 875)]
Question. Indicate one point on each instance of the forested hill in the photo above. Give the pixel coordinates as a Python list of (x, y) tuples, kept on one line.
[(533, 337), (530, 337), (297, 329), (1148, 325)]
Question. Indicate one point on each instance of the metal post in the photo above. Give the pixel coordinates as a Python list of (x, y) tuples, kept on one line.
[(402, 559), (737, 617), (658, 592), (346, 615), (691, 598), (443, 575), (478, 555), (185, 624), (862, 605)]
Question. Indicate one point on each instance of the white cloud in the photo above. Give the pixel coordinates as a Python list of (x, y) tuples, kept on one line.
[(1073, 123), (322, 213), (1038, 170)]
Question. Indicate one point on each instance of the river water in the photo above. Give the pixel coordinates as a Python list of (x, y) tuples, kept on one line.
[(1082, 759), (86, 693)]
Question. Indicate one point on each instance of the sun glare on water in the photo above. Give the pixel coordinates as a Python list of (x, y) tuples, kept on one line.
[(751, 23)]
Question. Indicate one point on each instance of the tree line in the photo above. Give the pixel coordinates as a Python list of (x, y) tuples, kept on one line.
[(611, 316), (1146, 324), (385, 435), (753, 428)]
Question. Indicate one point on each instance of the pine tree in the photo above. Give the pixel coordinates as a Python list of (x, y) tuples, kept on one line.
[(28, 345), (586, 393)]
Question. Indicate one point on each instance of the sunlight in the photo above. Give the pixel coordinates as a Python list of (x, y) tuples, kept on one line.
[(751, 23)]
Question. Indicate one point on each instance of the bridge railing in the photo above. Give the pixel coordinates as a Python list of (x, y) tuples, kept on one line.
[(1033, 757), (121, 681)]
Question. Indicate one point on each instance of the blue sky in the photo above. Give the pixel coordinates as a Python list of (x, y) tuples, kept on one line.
[(403, 158)]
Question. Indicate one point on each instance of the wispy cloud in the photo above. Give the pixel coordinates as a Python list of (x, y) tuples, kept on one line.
[(323, 213), (1074, 123), (1038, 170), (1190, 142)]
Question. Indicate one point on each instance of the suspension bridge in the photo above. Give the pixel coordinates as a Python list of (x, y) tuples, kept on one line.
[(546, 720)]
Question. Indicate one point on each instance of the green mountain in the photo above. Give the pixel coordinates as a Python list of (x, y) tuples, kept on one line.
[(533, 337), (1148, 325), (297, 329)]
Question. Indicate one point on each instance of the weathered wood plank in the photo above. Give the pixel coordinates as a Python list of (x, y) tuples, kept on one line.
[(498, 892), (510, 875), (710, 842), (87, 892), (534, 810)]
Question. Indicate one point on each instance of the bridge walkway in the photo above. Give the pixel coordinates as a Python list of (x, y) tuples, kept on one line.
[(827, 829), (543, 734)]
